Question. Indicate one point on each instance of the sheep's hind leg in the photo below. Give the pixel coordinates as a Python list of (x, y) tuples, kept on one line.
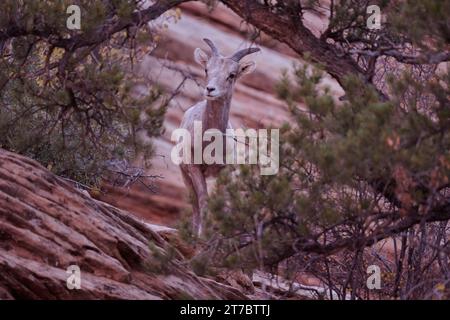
[(199, 184), (194, 200)]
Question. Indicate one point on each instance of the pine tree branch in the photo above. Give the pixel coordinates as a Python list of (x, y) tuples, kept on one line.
[(98, 35), (422, 58), (290, 30)]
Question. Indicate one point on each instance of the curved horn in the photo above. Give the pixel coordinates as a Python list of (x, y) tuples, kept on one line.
[(242, 53), (212, 46)]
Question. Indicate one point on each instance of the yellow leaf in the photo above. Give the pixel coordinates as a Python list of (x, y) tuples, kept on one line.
[(440, 287), (95, 192)]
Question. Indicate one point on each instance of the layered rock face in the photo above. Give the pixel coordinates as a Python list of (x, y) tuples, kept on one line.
[(46, 225)]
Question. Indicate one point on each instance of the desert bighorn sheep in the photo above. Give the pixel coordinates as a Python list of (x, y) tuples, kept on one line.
[(213, 113)]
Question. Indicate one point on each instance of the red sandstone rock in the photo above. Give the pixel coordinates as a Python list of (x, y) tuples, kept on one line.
[(46, 225)]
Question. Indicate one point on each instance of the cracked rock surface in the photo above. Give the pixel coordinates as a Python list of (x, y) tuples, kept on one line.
[(46, 225)]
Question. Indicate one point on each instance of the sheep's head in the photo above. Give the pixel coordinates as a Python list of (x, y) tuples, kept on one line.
[(222, 72)]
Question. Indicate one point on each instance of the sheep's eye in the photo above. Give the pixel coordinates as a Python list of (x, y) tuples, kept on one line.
[(206, 71), (232, 76)]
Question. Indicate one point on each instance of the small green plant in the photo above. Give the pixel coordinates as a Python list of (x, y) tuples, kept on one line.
[(161, 260)]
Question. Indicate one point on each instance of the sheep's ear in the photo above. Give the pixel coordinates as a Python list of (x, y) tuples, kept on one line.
[(246, 67), (201, 57)]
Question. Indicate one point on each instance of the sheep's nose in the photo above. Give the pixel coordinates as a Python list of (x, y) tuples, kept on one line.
[(210, 89)]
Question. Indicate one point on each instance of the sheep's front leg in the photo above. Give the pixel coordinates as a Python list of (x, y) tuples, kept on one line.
[(199, 184)]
